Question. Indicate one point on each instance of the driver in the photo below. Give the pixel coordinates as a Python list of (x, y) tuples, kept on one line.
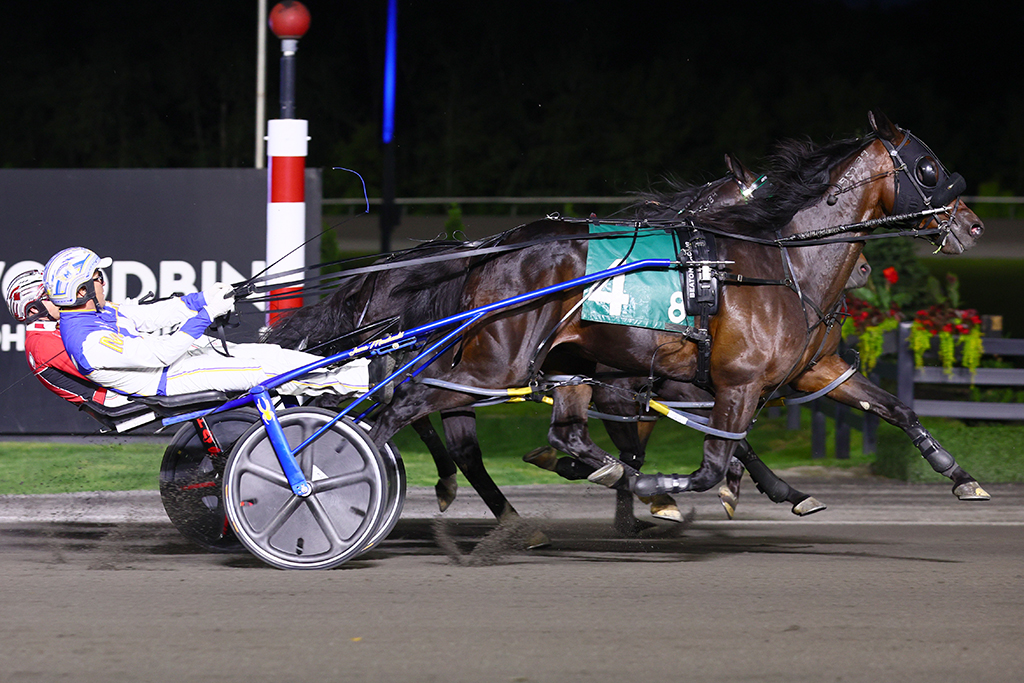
[(44, 350), (121, 347)]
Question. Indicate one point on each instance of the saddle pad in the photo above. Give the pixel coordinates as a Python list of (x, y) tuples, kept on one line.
[(646, 298)]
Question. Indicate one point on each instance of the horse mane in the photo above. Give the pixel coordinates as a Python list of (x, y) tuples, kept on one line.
[(799, 174), (668, 204)]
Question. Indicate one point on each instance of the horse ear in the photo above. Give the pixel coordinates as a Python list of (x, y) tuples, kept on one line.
[(738, 170), (882, 126)]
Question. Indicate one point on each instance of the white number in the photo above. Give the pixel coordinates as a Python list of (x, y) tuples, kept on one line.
[(676, 310), (613, 293)]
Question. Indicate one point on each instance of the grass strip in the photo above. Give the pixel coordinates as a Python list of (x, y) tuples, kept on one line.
[(506, 433)]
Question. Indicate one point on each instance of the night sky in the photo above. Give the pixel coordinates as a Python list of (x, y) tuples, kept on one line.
[(563, 96)]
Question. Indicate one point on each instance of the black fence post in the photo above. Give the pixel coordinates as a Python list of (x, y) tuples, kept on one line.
[(793, 417), (817, 430), (842, 432), (869, 434), (904, 366)]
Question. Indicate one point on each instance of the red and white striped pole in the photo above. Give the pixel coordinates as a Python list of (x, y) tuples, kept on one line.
[(287, 145)]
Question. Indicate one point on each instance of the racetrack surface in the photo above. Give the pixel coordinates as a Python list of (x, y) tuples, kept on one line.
[(894, 582)]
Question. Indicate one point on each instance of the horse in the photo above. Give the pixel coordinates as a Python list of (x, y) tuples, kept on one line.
[(616, 395), (342, 312), (782, 289)]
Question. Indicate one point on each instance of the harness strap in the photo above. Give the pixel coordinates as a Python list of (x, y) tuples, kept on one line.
[(730, 279), (807, 398)]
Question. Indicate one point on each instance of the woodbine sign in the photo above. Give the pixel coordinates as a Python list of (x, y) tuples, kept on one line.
[(168, 232)]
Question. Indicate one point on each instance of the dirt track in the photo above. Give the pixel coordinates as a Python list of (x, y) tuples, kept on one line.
[(896, 583)]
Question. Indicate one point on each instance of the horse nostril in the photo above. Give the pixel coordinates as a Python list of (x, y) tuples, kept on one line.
[(977, 229)]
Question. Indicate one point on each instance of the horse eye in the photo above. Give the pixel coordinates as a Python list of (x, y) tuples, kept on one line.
[(927, 171)]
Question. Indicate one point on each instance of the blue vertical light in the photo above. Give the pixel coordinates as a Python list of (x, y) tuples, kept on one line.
[(389, 72)]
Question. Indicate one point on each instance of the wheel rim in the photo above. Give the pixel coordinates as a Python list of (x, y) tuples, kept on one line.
[(395, 478), (322, 530)]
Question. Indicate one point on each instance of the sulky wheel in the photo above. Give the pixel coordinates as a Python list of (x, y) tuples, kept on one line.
[(191, 478), (394, 470), (336, 522)]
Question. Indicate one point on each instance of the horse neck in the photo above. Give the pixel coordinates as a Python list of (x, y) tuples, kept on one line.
[(822, 271)]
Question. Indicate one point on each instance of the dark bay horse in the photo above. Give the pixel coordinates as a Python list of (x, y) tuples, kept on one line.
[(764, 337), (391, 292), (616, 395)]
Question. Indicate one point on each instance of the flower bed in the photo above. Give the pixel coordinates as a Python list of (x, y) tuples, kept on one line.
[(874, 310)]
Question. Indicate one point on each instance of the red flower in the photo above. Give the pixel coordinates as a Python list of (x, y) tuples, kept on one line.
[(891, 275)]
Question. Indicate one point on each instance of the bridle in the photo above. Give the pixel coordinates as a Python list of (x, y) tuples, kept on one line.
[(923, 188), (923, 183)]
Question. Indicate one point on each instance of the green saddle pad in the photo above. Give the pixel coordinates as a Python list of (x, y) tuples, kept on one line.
[(647, 298)]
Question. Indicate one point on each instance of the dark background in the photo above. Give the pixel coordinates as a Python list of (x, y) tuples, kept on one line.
[(519, 98)]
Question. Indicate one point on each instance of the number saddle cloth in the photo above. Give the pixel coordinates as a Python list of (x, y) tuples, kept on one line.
[(658, 299)]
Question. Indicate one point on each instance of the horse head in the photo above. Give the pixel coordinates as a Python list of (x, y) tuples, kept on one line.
[(922, 184)]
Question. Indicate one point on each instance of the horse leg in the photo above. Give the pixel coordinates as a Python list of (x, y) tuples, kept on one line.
[(733, 410), (662, 505), (729, 492), (568, 433), (744, 457), (770, 484), (624, 436), (464, 447), (859, 392), (631, 452), (447, 481)]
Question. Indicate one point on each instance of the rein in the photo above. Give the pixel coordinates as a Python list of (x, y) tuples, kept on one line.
[(469, 251), (324, 282)]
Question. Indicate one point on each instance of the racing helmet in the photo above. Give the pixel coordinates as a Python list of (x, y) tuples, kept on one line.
[(69, 270), (23, 291)]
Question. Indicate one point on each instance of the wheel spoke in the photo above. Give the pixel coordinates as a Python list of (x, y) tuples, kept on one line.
[(264, 473), (363, 476), (279, 519), (316, 508)]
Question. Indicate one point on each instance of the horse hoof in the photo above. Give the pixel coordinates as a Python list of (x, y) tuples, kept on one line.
[(609, 475), (663, 507), (445, 489), (971, 490), (544, 457), (729, 500), (808, 506), (537, 540)]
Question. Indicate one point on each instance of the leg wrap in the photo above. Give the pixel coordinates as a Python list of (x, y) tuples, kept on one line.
[(572, 469), (937, 456), (767, 482), (653, 484)]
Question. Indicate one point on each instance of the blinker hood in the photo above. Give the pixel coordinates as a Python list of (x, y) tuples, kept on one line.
[(922, 182)]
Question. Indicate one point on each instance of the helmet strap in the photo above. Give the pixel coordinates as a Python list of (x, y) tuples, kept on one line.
[(36, 311), (90, 295)]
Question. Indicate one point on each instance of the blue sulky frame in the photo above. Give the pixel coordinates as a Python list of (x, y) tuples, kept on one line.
[(260, 394)]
